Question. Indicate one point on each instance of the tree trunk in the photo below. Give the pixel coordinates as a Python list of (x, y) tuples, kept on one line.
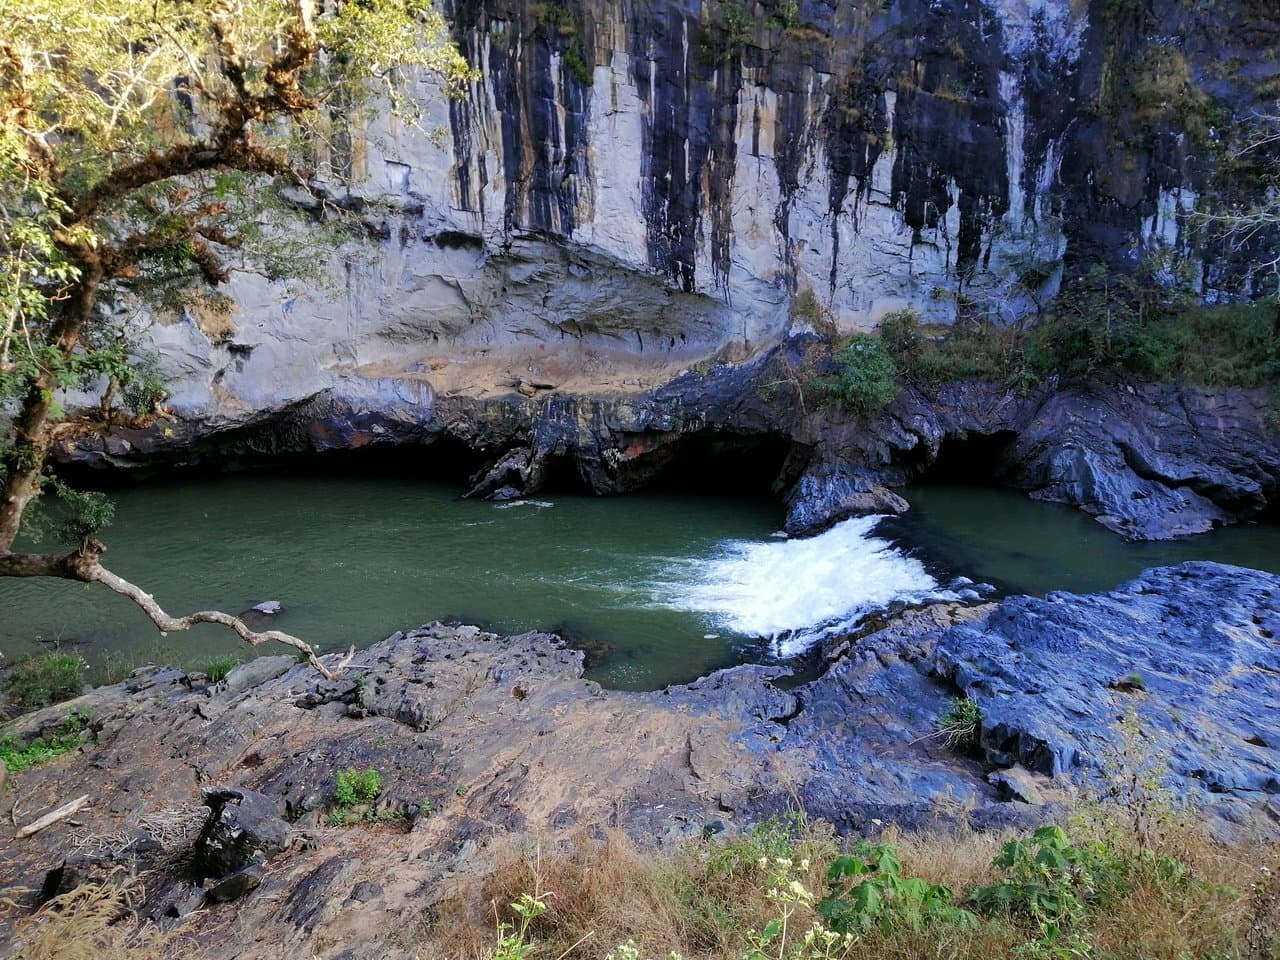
[(25, 463)]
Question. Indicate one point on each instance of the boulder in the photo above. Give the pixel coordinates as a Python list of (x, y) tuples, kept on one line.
[(258, 671), (242, 826), (235, 885)]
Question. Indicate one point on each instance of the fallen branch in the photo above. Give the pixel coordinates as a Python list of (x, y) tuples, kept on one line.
[(83, 565), (53, 816)]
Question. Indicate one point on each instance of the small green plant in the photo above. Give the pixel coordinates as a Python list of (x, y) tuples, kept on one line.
[(39, 681), (514, 942), (1052, 883), (354, 794), (143, 388), (577, 67), (961, 725), (737, 24), (460, 790), (866, 377), (354, 787), (217, 668), (868, 890), (65, 737)]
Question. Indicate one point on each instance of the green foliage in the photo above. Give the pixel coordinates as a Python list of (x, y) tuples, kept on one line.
[(1049, 896), (1152, 325), (514, 941), (867, 890), (142, 388), (785, 14), (961, 724), (737, 25), (966, 351), (1149, 326), (766, 842), (866, 377), (62, 739), (39, 681), (556, 16), (354, 787), (107, 182), (217, 668), (578, 67), (1053, 883)]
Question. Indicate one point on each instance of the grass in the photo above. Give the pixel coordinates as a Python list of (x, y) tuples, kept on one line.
[(217, 668), (961, 725), (1094, 890), (92, 922), (37, 682), (64, 738)]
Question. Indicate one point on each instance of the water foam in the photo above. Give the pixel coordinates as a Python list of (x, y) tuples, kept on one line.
[(795, 592)]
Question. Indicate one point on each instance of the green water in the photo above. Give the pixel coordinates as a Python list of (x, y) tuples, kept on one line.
[(1021, 546), (355, 560), (663, 588)]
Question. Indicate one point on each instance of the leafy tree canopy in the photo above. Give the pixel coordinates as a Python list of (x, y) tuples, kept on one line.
[(142, 143)]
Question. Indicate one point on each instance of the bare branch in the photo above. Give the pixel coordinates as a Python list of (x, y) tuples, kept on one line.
[(83, 565)]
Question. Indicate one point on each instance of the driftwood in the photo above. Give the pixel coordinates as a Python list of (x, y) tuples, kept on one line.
[(53, 816)]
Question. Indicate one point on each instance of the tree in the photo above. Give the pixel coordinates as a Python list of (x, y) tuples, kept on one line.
[(140, 140), (1253, 227)]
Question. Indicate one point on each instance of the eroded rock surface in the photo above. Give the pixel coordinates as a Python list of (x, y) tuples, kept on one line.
[(484, 741)]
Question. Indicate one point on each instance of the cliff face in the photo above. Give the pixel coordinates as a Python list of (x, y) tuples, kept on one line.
[(660, 179)]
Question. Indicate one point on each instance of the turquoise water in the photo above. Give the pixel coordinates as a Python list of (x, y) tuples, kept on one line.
[(660, 589)]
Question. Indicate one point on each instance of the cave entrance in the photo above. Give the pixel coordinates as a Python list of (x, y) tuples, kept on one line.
[(719, 464), (976, 459)]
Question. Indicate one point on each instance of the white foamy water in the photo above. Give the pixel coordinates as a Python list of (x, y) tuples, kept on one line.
[(795, 592)]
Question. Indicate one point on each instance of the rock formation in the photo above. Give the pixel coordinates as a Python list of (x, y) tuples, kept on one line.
[(480, 739)]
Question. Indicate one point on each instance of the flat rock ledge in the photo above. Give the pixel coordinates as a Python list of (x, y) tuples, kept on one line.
[(484, 741)]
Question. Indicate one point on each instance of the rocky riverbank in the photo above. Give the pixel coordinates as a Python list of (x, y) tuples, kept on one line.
[(483, 741), (1150, 462)]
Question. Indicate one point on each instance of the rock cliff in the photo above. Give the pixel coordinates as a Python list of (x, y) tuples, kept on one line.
[(634, 184)]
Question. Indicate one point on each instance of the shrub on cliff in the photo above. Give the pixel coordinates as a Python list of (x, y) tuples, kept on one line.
[(865, 378)]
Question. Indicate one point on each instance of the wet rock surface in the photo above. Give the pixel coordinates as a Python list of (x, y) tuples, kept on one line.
[(482, 740)]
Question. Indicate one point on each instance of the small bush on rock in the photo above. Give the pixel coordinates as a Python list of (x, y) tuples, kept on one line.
[(866, 377), (961, 725), (63, 738), (354, 793), (357, 786)]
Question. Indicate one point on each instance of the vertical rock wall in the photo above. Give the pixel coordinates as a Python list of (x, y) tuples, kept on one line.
[(877, 153), (664, 177)]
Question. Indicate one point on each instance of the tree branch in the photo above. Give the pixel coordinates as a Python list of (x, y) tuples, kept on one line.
[(83, 565)]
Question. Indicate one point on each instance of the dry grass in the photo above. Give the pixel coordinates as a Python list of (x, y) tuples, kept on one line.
[(92, 922), (705, 900)]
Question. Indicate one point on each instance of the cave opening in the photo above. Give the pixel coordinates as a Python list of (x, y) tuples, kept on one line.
[(710, 463), (970, 458)]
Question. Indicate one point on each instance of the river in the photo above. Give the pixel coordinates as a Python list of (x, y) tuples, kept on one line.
[(661, 589)]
